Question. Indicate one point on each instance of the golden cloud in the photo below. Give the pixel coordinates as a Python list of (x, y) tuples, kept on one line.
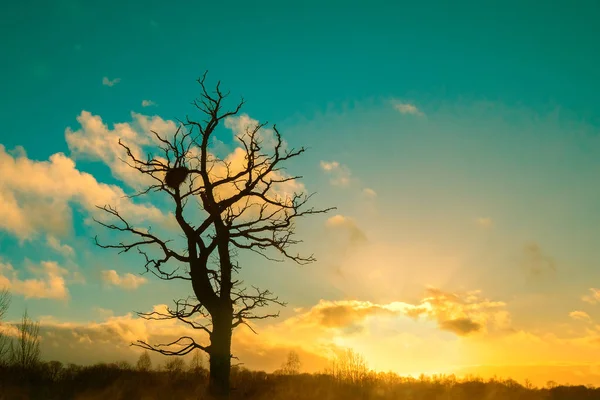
[(463, 313), (48, 281), (580, 315), (125, 281), (593, 297), (36, 196)]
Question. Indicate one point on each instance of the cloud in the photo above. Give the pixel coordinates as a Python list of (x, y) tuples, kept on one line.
[(340, 173), (378, 331), (342, 314), (126, 281), (462, 313), (460, 326), (235, 162), (484, 222), (369, 193), (48, 281), (535, 263), (580, 315), (592, 298), (55, 244), (243, 123), (148, 103), (109, 340), (348, 225), (94, 140), (459, 313), (109, 82), (37, 196), (103, 312), (329, 165), (407, 108)]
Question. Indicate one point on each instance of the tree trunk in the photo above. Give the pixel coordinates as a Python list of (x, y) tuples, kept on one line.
[(220, 357)]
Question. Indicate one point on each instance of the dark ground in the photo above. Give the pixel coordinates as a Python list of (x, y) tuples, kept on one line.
[(118, 381)]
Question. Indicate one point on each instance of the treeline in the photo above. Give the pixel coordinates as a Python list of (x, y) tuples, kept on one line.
[(52, 380)]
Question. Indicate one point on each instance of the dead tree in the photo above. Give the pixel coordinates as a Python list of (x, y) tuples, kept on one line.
[(241, 207), (5, 299), (25, 350)]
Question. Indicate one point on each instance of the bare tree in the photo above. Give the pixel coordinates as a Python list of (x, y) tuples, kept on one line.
[(349, 366), (5, 299), (197, 363), (220, 207), (175, 366), (25, 350), (292, 364), (144, 363)]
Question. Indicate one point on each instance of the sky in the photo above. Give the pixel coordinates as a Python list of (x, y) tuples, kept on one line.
[(459, 142)]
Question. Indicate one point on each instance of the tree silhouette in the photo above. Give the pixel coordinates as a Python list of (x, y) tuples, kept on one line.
[(5, 299), (25, 350), (241, 206), (348, 366), (144, 363), (292, 364)]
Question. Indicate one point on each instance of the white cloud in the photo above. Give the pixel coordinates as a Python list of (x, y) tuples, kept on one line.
[(48, 281), (340, 174), (148, 103), (592, 298), (407, 108), (110, 82), (55, 244), (329, 165), (125, 281), (242, 124)]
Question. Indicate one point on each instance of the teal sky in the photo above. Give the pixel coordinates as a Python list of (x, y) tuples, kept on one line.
[(504, 130)]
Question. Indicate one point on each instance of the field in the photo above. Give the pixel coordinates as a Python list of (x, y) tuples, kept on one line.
[(52, 380)]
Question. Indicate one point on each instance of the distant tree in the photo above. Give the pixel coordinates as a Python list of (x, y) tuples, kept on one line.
[(124, 365), (54, 369), (221, 206), (528, 384), (551, 384), (196, 363), (25, 349), (5, 299), (175, 366), (292, 364), (349, 366), (144, 363)]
